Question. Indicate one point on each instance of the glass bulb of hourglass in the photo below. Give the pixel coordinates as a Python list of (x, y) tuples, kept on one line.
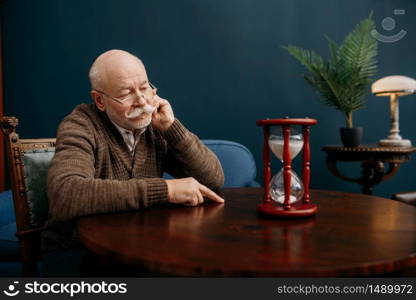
[(276, 143), (277, 188)]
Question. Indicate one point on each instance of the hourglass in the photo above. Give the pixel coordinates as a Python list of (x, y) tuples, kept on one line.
[(286, 195)]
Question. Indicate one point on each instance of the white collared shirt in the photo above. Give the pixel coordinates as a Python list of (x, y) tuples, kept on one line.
[(128, 137)]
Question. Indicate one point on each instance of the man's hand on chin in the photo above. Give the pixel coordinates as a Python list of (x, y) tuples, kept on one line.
[(162, 117)]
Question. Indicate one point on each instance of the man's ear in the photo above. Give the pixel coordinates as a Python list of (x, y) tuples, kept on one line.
[(98, 99)]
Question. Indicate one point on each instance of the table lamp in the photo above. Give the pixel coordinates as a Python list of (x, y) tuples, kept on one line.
[(394, 86)]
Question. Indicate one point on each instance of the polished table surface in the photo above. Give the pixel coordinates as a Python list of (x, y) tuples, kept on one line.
[(351, 235)]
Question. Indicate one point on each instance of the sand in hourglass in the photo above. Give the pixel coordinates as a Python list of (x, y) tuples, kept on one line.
[(277, 148), (295, 146)]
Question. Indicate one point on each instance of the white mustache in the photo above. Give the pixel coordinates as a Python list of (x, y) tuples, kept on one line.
[(139, 110)]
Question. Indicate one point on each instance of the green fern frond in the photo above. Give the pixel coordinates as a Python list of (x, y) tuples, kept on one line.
[(359, 49), (308, 58), (342, 80), (333, 50)]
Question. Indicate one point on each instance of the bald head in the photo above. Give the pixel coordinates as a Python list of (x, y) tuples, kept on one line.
[(111, 65)]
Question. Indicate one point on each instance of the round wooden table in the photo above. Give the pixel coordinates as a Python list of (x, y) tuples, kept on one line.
[(351, 235)]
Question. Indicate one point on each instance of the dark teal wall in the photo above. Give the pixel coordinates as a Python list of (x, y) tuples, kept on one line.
[(219, 62)]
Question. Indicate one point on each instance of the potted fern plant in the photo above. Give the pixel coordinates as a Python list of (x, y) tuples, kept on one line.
[(342, 80)]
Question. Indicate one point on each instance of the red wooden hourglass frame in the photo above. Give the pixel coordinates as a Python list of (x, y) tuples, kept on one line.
[(301, 208)]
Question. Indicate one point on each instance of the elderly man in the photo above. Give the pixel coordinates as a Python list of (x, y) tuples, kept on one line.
[(111, 154)]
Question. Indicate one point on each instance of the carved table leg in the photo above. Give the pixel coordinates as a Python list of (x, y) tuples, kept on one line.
[(372, 173), (367, 179), (393, 169)]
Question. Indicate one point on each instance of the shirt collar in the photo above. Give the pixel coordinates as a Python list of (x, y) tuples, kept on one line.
[(129, 137)]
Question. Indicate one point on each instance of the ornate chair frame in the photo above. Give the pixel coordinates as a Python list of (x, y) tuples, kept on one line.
[(28, 234)]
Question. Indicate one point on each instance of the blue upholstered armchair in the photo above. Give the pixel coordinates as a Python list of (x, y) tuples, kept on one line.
[(10, 265), (237, 162)]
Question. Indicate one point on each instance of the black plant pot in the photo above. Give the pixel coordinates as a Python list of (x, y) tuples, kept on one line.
[(351, 137)]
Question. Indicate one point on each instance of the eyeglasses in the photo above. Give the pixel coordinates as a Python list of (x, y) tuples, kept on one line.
[(132, 95)]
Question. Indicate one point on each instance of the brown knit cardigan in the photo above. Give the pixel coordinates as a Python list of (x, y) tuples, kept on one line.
[(94, 172)]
